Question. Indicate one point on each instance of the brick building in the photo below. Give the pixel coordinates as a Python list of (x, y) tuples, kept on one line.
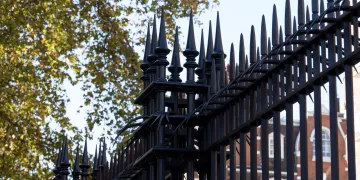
[(311, 145)]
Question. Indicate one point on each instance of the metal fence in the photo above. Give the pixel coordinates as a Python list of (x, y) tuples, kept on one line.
[(217, 127)]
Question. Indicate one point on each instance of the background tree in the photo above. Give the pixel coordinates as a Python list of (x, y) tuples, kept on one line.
[(86, 42)]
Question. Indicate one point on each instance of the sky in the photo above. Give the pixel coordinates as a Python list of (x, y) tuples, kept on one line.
[(236, 16)]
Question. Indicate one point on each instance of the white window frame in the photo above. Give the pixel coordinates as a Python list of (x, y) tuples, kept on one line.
[(271, 150), (312, 140)]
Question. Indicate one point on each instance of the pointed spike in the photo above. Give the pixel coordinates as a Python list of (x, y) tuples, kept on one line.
[(232, 63), (214, 83), (263, 36), (111, 169), (99, 164), (162, 43), (322, 6), (85, 159), (288, 25), (58, 162), (65, 158), (95, 159), (252, 46), (237, 70), (258, 58), (115, 167), (322, 9), (104, 153), (210, 45), (281, 39), (145, 63), (76, 168), (315, 6), (175, 67), (269, 45), (200, 71), (190, 45), (246, 62), (153, 38), (202, 51), (242, 66), (226, 78), (275, 33), (301, 12), (294, 25), (307, 14), (218, 47)]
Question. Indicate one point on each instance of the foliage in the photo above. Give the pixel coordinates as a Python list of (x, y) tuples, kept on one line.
[(88, 42)]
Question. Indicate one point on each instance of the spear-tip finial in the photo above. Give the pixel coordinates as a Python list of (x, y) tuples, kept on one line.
[(85, 159), (190, 45), (294, 25), (200, 71), (301, 12), (307, 14), (281, 39), (241, 54), (288, 26), (95, 159), (175, 66), (218, 47), (315, 6), (104, 161), (100, 160), (252, 46), (232, 70), (263, 36), (209, 50), (275, 35), (162, 42), (60, 153), (153, 38), (269, 46), (76, 168), (65, 157), (246, 62), (145, 64)]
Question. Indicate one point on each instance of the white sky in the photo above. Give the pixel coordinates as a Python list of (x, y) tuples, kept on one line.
[(236, 16)]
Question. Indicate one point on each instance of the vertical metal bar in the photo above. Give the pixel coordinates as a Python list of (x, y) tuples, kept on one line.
[(333, 106), (317, 118), (242, 141), (355, 23), (317, 100), (349, 103), (338, 40), (308, 53), (303, 122), (231, 117), (222, 163), (152, 171), (302, 98), (213, 159), (252, 109), (289, 105), (276, 128), (264, 137)]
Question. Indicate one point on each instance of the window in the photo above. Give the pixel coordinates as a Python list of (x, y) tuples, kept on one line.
[(326, 148), (271, 145)]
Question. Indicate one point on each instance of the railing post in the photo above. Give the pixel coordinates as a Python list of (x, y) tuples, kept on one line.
[(190, 53)]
